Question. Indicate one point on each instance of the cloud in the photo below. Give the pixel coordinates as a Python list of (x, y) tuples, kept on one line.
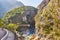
[(34, 3)]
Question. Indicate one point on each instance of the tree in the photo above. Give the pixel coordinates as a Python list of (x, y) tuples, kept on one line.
[(1, 23), (12, 26)]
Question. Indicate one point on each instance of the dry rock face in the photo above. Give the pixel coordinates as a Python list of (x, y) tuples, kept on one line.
[(43, 4), (48, 21)]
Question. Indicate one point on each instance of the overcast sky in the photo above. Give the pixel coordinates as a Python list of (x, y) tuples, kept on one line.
[(33, 3)]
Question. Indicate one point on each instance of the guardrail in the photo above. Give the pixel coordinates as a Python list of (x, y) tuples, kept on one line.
[(5, 37)]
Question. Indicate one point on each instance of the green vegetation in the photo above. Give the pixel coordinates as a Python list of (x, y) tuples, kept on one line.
[(1, 23), (9, 26), (12, 27)]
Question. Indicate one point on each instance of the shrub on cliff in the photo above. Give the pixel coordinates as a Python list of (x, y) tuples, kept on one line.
[(48, 21)]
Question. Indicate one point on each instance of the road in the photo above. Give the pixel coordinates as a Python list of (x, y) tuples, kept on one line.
[(2, 33), (10, 36), (6, 35)]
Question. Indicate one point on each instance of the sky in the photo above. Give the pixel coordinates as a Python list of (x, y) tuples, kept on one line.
[(33, 3)]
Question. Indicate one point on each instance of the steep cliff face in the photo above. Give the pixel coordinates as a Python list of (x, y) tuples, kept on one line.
[(6, 5), (24, 13), (48, 21), (43, 4)]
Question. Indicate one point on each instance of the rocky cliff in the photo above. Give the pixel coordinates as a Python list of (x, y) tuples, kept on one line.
[(43, 4), (48, 21), (24, 13)]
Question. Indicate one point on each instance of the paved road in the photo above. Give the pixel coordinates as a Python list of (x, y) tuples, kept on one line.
[(10, 36), (6, 35), (2, 33)]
